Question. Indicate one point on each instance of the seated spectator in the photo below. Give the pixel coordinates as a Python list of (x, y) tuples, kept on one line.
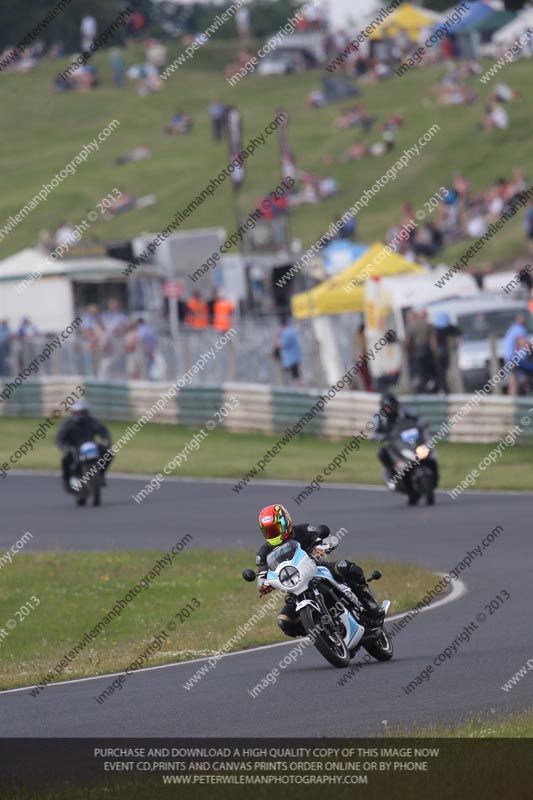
[(496, 117), (316, 99), (315, 188), (64, 235), (156, 53), (147, 77), (476, 226), (504, 94), (84, 79), (57, 50), (380, 148), (457, 96), (120, 204), (359, 150), (352, 117), (139, 153), (179, 124), (327, 187), (393, 124)]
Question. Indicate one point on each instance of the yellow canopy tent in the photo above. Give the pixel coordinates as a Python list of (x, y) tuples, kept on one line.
[(407, 18), (330, 297)]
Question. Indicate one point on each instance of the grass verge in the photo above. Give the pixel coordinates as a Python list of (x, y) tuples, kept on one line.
[(232, 455), (76, 590), (517, 725)]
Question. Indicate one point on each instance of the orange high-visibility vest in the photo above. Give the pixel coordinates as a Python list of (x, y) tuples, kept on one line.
[(197, 316), (222, 311)]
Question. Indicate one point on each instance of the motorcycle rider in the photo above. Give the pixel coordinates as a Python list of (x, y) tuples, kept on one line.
[(390, 413), (277, 527), (79, 428)]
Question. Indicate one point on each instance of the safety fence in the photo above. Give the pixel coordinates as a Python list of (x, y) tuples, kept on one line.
[(272, 409)]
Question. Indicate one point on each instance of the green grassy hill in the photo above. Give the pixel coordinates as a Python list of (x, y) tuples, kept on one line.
[(42, 130)]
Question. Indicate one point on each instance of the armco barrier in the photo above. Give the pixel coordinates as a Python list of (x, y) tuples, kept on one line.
[(523, 404), (109, 400), (144, 394), (27, 400), (434, 410), (488, 422), (254, 412), (266, 409), (288, 407), (198, 404)]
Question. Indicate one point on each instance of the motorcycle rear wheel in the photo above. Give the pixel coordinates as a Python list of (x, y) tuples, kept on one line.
[(335, 652), (381, 649)]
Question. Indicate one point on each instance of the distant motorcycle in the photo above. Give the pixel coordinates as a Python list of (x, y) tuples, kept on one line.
[(415, 463), (330, 612), (86, 477)]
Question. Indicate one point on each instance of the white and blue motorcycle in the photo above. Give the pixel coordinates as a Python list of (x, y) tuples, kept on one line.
[(329, 611)]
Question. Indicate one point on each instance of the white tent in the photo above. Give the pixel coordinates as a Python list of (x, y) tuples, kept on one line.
[(343, 14), (21, 264), (515, 29)]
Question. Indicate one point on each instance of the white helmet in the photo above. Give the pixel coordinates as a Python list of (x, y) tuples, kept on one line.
[(80, 407)]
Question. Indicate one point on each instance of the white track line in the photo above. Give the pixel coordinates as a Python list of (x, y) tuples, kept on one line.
[(363, 487), (458, 590)]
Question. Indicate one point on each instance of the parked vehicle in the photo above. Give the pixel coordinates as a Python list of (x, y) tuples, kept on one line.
[(479, 318)]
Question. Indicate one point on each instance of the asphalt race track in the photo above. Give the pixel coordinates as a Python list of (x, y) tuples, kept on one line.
[(307, 699)]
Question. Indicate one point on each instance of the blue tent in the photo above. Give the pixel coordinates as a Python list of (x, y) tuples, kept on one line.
[(465, 37), (475, 13), (340, 254)]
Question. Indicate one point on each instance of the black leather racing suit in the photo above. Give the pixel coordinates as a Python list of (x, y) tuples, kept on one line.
[(343, 571), (385, 424), (74, 432)]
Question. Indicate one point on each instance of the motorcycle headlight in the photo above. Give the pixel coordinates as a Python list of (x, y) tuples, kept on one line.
[(422, 451), (289, 576), (408, 453)]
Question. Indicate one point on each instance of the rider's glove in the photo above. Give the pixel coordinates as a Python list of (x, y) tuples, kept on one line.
[(330, 544), (265, 588), (319, 551)]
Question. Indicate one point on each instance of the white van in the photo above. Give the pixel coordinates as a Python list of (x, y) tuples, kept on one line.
[(388, 301), (477, 318)]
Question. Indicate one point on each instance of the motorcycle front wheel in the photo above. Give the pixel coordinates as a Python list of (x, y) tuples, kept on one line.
[(428, 490), (331, 645)]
